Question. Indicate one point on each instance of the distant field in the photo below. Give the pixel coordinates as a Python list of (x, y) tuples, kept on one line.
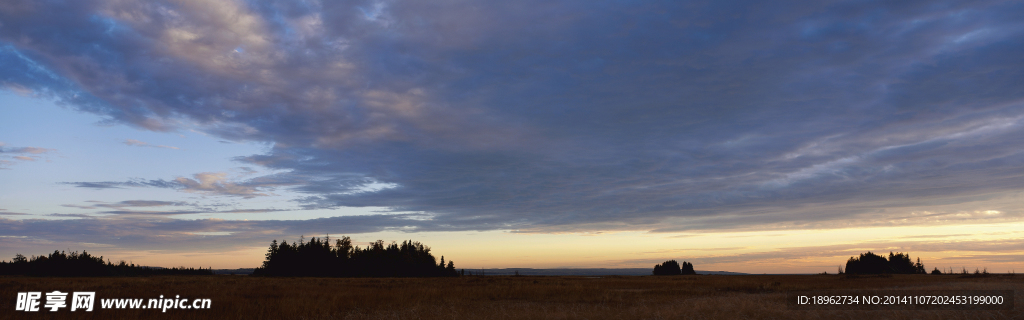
[(499, 297)]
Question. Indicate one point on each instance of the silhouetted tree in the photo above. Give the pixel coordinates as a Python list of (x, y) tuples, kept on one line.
[(870, 263), (318, 258), (667, 268), (687, 268), (83, 264)]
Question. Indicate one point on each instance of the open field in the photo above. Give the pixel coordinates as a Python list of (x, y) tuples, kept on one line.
[(500, 297)]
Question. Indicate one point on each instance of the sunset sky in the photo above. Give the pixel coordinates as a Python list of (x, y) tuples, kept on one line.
[(758, 137)]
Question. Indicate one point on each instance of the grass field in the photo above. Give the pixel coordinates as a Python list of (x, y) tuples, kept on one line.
[(500, 297)]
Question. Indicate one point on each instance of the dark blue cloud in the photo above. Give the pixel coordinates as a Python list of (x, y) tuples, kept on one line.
[(154, 231), (561, 116), (215, 183), (128, 208), (132, 183)]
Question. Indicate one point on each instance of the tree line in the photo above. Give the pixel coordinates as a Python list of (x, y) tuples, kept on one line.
[(321, 258), (870, 263), (671, 267), (74, 264)]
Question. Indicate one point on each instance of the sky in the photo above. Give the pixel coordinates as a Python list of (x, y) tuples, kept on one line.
[(744, 136)]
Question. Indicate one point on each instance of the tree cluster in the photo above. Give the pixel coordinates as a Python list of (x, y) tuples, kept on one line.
[(320, 258), (870, 263), (672, 267), (74, 264)]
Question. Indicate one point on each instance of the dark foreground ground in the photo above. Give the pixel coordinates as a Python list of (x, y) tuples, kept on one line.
[(500, 297)]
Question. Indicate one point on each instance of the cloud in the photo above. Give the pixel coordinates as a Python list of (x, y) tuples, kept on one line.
[(141, 203), (70, 215), (127, 208), (166, 212), (247, 171), (137, 143), (251, 210), (157, 232), (95, 185), (175, 212), (27, 154), (215, 183), (4, 212), (126, 204), (77, 206), (212, 183), (26, 150), (554, 117), (131, 183)]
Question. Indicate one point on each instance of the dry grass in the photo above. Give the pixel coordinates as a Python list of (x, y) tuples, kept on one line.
[(500, 297)]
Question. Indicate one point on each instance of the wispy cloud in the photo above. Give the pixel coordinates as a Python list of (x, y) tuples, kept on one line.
[(4, 212), (217, 183), (137, 143), (20, 154), (123, 184), (158, 232), (26, 150), (126, 204), (153, 212), (212, 183), (70, 215), (128, 208)]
